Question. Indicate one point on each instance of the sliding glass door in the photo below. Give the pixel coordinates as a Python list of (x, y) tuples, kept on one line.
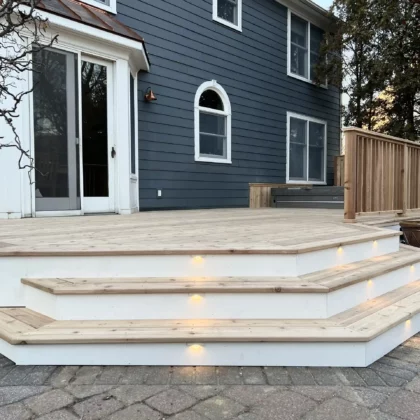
[(57, 186), (74, 170)]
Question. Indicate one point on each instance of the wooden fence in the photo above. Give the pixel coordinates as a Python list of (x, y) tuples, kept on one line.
[(382, 174)]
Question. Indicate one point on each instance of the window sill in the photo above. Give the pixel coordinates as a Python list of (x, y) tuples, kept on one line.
[(304, 79), (111, 8), (212, 160), (228, 24), (292, 182)]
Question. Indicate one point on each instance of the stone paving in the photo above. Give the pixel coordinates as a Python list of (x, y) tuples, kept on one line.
[(387, 390)]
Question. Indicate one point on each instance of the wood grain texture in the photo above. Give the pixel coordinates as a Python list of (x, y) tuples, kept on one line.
[(191, 232), (325, 281), (360, 324), (382, 173)]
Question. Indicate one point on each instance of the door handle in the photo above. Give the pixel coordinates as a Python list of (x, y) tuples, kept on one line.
[(113, 153)]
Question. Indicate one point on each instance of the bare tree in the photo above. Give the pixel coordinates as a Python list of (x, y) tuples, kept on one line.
[(21, 30)]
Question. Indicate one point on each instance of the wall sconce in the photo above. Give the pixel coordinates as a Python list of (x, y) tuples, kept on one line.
[(149, 96)]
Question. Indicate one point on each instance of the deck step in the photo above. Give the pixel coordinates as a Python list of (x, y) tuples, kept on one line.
[(324, 281), (318, 295), (354, 338)]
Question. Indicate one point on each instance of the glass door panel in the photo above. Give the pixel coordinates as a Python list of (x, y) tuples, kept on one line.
[(55, 131), (95, 129), (98, 153)]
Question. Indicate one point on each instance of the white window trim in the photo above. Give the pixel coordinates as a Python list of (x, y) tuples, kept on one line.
[(216, 18), (112, 7), (308, 119), (289, 49), (227, 112)]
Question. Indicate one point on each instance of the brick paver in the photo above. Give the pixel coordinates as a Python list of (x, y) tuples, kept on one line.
[(387, 390)]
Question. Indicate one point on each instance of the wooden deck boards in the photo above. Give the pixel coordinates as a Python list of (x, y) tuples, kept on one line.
[(360, 324), (184, 232), (320, 282)]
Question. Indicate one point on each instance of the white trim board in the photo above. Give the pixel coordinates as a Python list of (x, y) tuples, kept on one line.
[(13, 269), (231, 25), (227, 113), (216, 305), (329, 354), (308, 120)]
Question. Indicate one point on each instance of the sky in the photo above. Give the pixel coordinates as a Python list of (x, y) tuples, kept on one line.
[(324, 3)]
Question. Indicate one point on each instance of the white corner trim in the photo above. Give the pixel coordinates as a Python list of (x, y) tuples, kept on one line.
[(289, 50), (111, 7), (213, 85), (308, 120), (216, 18)]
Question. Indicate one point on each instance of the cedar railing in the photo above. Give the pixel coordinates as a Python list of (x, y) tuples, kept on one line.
[(381, 174)]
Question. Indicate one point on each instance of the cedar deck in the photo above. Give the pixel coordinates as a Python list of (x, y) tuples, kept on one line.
[(188, 232)]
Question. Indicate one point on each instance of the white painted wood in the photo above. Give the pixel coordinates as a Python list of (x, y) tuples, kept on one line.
[(320, 260), (382, 345), (341, 354), (182, 354), (216, 18), (344, 299), (13, 269), (178, 306), (216, 305), (227, 112)]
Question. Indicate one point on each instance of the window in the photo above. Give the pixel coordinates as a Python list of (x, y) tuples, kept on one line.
[(306, 149), (228, 12), (305, 42), (108, 5), (212, 119)]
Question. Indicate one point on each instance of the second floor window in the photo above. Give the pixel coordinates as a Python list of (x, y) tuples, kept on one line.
[(228, 12), (108, 5), (305, 42)]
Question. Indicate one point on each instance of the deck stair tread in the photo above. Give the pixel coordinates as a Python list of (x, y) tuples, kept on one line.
[(320, 282), (360, 324)]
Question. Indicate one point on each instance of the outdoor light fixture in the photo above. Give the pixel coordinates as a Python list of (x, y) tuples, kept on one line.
[(196, 298), (340, 250), (196, 348), (370, 282), (198, 259), (149, 96)]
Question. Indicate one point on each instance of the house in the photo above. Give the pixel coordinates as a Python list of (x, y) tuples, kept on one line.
[(235, 105)]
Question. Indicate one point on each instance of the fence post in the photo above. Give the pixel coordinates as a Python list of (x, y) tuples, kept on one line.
[(405, 180), (350, 176)]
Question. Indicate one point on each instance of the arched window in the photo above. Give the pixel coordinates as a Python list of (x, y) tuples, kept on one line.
[(212, 118)]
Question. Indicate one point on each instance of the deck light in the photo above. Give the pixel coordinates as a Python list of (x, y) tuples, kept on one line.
[(408, 322), (196, 298), (198, 259), (370, 283), (375, 243), (413, 268), (340, 250), (196, 348)]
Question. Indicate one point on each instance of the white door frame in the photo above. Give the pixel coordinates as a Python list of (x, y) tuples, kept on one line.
[(100, 204)]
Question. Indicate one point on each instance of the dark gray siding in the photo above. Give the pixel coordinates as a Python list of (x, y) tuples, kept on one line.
[(187, 48)]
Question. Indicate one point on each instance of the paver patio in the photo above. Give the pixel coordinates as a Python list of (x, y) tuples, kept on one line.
[(387, 390)]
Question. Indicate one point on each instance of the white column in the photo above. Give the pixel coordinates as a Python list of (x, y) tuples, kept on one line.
[(122, 135)]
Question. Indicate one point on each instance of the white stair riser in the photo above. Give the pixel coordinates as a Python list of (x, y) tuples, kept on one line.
[(216, 305), (15, 268), (335, 354)]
